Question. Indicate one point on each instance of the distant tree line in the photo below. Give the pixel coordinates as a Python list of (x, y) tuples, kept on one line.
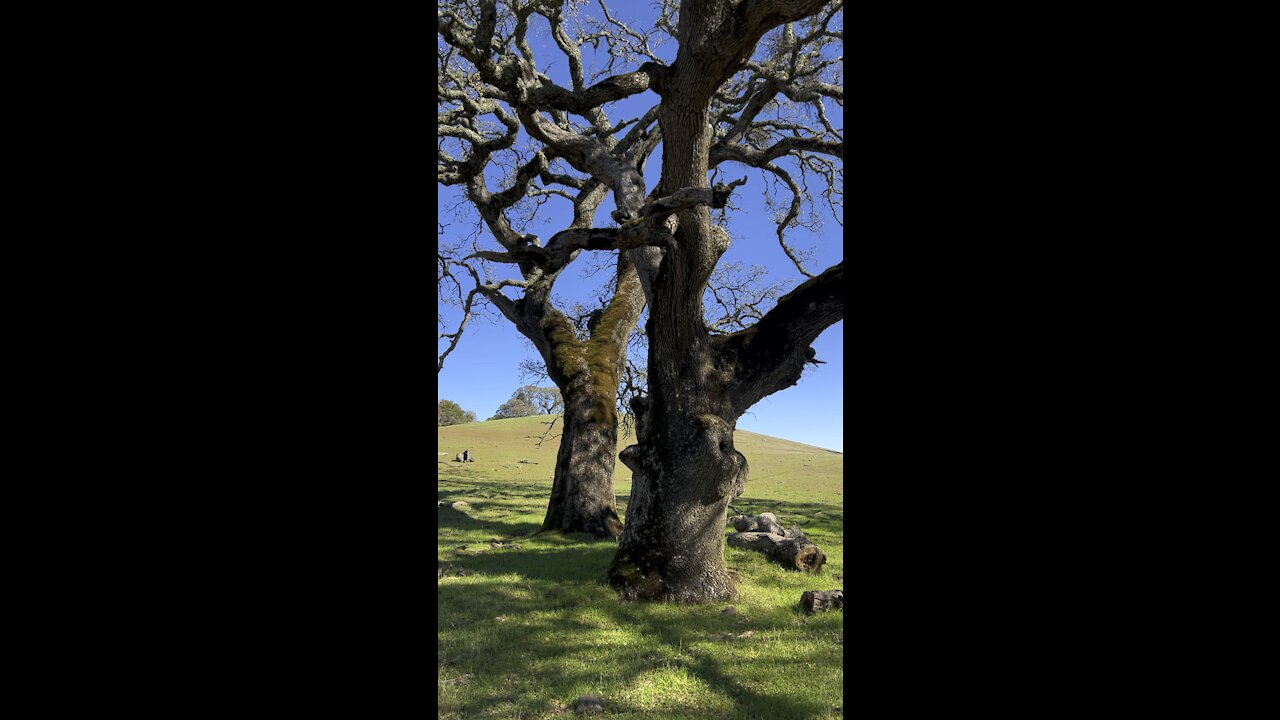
[(530, 400), (450, 413)]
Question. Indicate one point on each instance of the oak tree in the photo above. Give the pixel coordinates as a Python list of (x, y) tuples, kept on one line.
[(530, 400), (720, 102), (482, 110), (449, 412)]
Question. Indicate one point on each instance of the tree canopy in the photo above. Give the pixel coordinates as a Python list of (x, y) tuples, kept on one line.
[(450, 413), (530, 400)]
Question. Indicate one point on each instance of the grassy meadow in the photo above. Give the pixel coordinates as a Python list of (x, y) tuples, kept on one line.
[(527, 624)]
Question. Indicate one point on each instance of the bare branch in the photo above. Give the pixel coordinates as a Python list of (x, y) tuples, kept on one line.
[(457, 334), (789, 146), (792, 212), (738, 298), (715, 197), (771, 355)]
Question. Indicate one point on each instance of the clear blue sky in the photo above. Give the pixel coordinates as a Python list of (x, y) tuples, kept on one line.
[(483, 371)]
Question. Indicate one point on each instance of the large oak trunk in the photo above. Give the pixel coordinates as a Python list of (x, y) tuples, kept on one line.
[(684, 466), (672, 547), (582, 497)]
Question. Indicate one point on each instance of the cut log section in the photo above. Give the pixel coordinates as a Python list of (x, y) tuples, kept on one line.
[(818, 600), (789, 548)]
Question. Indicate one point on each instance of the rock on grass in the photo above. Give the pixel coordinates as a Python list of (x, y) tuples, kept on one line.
[(588, 703)]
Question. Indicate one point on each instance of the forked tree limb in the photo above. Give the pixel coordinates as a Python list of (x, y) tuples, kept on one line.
[(770, 355)]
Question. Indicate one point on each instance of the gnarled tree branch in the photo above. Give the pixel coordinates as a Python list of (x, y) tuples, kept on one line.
[(771, 355)]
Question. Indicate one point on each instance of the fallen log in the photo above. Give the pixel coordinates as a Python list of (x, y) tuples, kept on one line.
[(759, 541), (764, 522), (818, 600), (790, 549)]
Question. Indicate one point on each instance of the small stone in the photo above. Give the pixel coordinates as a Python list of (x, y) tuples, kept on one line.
[(588, 703), (731, 610)]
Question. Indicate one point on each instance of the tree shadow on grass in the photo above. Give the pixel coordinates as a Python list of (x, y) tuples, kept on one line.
[(543, 639), (466, 491), (453, 519), (559, 598), (583, 558), (542, 636), (722, 672)]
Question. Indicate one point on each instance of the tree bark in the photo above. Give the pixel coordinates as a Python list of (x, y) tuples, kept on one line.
[(672, 547), (582, 493)]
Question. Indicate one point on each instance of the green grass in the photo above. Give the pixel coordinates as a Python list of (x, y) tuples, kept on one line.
[(530, 625)]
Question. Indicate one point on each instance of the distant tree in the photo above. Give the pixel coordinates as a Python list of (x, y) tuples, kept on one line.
[(450, 413), (514, 408), (546, 399), (530, 400)]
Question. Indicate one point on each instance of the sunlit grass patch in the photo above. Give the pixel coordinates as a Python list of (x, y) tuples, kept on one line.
[(526, 623)]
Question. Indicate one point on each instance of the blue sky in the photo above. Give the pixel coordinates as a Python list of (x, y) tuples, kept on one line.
[(483, 371)]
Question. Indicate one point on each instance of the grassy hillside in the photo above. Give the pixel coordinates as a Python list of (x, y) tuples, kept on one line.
[(527, 624)]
